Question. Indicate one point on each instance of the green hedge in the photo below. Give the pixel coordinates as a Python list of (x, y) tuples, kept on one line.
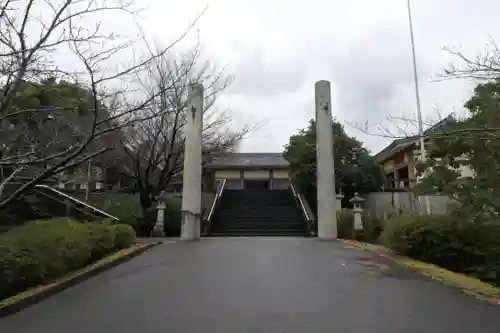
[(469, 247), (126, 207), (372, 226), (345, 224), (124, 236), (41, 251), (173, 216)]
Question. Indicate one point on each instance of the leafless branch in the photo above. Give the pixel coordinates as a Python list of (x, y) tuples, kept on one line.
[(155, 146), (50, 139), (9, 178), (484, 66)]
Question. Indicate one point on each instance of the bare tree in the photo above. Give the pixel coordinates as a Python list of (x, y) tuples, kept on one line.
[(480, 68), (32, 35), (155, 147), (484, 66)]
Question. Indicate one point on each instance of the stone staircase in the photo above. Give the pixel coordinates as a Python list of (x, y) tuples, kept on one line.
[(258, 212)]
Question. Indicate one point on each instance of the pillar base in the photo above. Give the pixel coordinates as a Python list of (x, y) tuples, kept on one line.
[(190, 229), (327, 231)]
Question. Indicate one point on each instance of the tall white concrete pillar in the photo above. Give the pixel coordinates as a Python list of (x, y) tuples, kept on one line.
[(327, 217), (192, 174)]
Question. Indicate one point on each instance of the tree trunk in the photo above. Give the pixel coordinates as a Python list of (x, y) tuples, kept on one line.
[(89, 180)]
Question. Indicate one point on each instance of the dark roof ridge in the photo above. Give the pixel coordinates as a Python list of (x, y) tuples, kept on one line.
[(251, 159)]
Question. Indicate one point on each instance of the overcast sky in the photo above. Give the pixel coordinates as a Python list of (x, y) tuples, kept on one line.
[(277, 50)]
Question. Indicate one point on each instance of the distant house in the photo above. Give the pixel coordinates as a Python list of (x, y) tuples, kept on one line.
[(104, 169), (78, 178), (399, 159)]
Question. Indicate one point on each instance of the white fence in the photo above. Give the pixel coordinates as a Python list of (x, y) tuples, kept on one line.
[(382, 203)]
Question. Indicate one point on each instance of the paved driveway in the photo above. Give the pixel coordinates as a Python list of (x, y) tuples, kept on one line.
[(257, 285)]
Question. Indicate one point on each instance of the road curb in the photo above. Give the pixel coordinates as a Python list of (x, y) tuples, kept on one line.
[(466, 284), (70, 280)]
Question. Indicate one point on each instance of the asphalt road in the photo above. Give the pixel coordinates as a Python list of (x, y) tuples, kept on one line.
[(242, 285)]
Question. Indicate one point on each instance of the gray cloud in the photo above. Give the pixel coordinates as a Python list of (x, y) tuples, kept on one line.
[(258, 76), (372, 76), (277, 51)]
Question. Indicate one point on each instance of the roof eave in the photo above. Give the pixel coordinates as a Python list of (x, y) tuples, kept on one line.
[(240, 167)]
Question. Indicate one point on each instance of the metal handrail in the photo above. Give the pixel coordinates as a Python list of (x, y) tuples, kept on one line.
[(216, 200), (304, 210), (77, 201)]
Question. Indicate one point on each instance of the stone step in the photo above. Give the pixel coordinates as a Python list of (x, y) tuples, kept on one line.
[(258, 213), (259, 232)]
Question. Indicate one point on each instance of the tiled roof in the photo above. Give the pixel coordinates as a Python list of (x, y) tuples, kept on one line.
[(403, 143), (242, 160), (395, 146)]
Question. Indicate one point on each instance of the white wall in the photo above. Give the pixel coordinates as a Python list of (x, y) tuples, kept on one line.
[(280, 174), (280, 177), (380, 203), (221, 174), (256, 174)]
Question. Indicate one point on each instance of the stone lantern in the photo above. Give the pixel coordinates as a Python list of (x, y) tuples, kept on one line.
[(158, 230), (357, 210)]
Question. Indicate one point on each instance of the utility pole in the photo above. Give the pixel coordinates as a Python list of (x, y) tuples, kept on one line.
[(417, 96)]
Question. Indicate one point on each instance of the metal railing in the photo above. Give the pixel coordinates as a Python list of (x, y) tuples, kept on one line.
[(75, 201), (302, 207), (309, 219), (216, 201)]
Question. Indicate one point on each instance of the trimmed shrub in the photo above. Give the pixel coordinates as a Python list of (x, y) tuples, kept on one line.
[(103, 239), (173, 216), (124, 236), (127, 211), (470, 247), (373, 227), (125, 206), (345, 224), (110, 222), (41, 251)]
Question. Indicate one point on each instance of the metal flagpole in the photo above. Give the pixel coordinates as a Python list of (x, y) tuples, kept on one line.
[(417, 95)]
